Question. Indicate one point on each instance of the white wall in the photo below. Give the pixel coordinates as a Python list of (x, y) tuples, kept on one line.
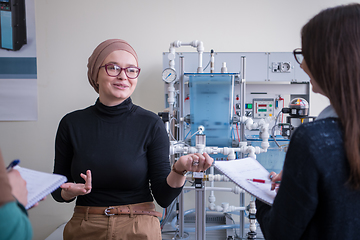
[(68, 31)]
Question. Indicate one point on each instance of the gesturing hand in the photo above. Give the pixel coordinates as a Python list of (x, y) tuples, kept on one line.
[(71, 190)]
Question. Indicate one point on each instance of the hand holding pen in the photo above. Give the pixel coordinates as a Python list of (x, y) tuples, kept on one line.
[(275, 179), (12, 165)]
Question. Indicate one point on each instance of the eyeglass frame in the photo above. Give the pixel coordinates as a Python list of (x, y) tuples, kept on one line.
[(121, 69), (297, 51)]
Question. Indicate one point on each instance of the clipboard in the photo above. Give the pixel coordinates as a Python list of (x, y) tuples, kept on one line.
[(39, 184), (240, 170)]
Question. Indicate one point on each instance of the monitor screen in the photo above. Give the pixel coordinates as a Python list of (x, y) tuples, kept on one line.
[(4, 1)]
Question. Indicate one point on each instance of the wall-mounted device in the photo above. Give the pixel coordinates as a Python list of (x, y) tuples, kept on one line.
[(282, 67), (12, 24)]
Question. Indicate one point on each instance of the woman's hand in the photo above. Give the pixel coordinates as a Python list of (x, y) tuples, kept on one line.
[(18, 186), (72, 190), (194, 162), (275, 180)]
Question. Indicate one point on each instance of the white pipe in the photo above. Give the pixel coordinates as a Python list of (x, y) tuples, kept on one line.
[(230, 152), (177, 44), (263, 126), (171, 97), (227, 208), (171, 57), (235, 190), (212, 205), (252, 210), (211, 177), (212, 197), (218, 178)]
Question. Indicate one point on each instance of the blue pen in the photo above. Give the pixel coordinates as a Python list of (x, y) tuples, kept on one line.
[(12, 165)]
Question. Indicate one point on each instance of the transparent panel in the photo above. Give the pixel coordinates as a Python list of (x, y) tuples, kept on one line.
[(273, 159), (211, 103)]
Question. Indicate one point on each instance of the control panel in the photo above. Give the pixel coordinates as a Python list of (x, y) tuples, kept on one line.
[(263, 108), (5, 5), (248, 109)]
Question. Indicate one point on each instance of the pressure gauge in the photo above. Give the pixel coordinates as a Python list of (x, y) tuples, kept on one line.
[(169, 75)]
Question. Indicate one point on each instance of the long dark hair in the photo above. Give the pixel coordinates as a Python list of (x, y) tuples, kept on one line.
[(331, 49)]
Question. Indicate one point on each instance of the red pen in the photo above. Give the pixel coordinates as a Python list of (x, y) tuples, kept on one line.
[(262, 181), (258, 180)]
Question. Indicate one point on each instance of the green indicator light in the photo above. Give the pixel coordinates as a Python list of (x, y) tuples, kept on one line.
[(248, 106), (270, 105)]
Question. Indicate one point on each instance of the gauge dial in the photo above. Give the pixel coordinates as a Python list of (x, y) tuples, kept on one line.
[(169, 75)]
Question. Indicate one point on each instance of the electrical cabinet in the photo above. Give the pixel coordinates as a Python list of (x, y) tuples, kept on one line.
[(12, 24)]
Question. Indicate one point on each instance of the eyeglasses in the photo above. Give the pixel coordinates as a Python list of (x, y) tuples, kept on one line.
[(298, 55), (114, 70)]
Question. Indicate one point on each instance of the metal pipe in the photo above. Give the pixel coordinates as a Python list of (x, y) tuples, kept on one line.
[(181, 99), (243, 97), (181, 214), (181, 138), (242, 134), (200, 214)]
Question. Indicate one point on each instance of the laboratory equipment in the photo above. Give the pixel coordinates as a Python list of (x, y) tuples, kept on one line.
[(237, 102), (298, 111), (299, 107), (169, 75)]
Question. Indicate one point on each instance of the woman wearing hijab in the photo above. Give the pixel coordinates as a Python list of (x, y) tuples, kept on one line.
[(116, 156)]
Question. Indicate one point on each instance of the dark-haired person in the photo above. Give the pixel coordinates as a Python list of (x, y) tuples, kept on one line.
[(116, 156), (319, 195)]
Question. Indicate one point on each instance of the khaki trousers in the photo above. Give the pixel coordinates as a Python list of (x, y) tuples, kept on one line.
[(116, 227)]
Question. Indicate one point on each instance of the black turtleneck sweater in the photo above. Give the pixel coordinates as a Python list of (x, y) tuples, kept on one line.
[(126, 148)]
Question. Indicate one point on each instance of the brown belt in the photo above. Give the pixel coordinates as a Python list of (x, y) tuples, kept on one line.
[(147, 208)]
